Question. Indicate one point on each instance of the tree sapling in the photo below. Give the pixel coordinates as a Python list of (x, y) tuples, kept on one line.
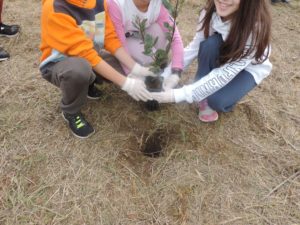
[(160, 57)]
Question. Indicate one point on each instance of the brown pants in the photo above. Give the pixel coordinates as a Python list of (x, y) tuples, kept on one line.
[(73, 76)]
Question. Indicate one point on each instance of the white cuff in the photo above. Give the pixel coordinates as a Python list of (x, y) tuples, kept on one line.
[(128, 84), (183, 94), (136, 68)]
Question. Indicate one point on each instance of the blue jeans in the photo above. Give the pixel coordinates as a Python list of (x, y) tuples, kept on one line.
[(226, 98)]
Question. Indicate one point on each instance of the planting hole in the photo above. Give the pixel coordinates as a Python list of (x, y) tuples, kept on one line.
[(154, 143)]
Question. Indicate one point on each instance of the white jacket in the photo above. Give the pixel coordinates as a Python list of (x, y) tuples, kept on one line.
[(218, 77)]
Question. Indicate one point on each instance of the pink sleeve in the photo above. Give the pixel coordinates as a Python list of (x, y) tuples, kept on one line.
[(177, 45), (117, 19)]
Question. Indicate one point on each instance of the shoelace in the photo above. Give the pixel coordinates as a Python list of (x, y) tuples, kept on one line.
[(79, 123)]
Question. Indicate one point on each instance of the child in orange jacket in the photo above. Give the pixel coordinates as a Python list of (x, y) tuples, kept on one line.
[(71, 33)]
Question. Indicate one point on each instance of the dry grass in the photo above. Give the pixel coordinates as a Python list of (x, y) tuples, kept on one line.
[(241, 170)]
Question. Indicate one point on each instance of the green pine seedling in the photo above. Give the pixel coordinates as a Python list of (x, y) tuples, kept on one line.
[(160, 56)]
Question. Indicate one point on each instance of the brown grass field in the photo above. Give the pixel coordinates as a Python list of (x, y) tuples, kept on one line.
[(242, 170)]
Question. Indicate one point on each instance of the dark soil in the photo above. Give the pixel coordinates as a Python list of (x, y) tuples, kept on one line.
[(154, 84), (154, 143)]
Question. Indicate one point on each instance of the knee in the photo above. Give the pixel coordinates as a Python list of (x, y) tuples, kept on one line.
[(218, 104), (211, 44), (80, 70)]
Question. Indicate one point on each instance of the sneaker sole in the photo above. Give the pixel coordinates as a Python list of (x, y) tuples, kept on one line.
[(93, 98), (73, 132), (208, 121), (3, 59), (9, 36)]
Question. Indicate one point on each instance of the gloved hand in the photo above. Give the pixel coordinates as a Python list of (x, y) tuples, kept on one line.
[(171, 81), (136, 77), (136, 89), (141, 71), (164, 97)]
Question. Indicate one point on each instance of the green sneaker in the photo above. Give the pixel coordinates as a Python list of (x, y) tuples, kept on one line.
[(78, 125)]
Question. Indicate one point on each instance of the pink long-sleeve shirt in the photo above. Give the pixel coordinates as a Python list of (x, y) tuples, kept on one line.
[(117, 16)]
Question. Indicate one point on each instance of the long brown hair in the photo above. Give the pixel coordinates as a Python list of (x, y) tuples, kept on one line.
[(251, 19)]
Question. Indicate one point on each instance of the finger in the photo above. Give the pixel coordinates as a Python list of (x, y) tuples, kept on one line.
[(142, 88), (166, 85), (135, 97), (146, 95), (136, 77), (148, 72), (158, 97), (141, 96), (144, 98), (167, 88)]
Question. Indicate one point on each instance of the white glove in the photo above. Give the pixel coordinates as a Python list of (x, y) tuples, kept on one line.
[(136, 77), (164, 97), (136, 89), (141, 71), (171, 81)]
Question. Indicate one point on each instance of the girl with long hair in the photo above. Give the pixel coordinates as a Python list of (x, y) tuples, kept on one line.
[(232, 46)]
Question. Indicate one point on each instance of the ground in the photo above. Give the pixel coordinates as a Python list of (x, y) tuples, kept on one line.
[(243, 169)]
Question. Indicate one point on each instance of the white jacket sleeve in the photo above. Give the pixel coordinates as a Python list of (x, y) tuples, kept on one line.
[(212, 82), (191, 50), (189, 54)]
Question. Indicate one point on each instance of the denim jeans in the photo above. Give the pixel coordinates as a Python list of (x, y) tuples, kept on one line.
[(226, 98)]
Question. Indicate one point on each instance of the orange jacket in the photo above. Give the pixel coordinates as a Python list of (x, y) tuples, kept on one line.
[(76, 28)]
